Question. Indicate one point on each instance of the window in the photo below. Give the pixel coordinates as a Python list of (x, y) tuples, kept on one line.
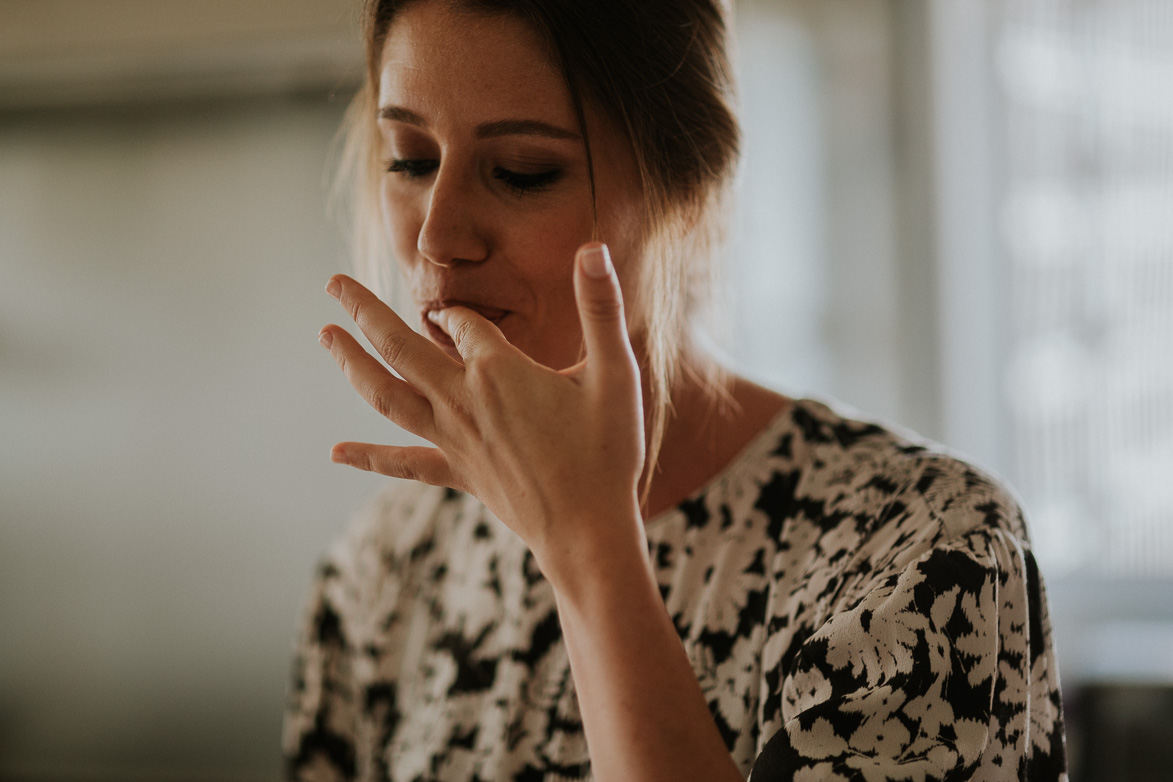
[(1087, 221)]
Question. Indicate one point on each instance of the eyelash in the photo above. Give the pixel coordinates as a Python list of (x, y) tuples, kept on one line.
[(517, 182), (526, 183), (412, 169)]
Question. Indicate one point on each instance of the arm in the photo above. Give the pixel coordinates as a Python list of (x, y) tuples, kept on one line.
[(642, 708), (940, 670)]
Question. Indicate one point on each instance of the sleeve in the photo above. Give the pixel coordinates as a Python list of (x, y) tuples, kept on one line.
[(941, 670), (321, 714)]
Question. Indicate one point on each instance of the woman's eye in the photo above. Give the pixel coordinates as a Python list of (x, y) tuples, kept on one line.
[(412, 168), (526, 183)]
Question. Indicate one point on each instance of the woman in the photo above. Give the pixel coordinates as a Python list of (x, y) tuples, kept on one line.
[(822, 599)]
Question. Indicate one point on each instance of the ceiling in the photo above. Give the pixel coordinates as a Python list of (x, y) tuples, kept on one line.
[(56, 53)]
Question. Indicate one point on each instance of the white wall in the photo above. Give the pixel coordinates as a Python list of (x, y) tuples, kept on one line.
[(829, 297), (165, 419)]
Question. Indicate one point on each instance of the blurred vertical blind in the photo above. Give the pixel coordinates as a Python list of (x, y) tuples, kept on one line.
[(1087, 219)]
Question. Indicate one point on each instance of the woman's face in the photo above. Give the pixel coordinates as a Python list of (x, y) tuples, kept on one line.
[(485, 192)]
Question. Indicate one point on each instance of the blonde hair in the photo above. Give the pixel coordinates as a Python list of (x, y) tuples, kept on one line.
[(660, 72)]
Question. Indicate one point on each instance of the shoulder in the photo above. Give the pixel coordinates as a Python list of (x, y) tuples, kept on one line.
[(881, 475), (908, 552), (836, 493)]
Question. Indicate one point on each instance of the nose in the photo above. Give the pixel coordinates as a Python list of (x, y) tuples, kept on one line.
[(451, 232)]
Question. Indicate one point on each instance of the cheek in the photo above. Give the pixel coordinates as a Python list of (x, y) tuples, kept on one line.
[(401, 220), (561, 233)]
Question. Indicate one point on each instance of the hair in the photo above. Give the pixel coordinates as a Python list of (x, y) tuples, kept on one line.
[(660, 72)]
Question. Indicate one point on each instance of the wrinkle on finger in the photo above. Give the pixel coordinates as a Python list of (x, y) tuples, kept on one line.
[(470, 331), (411, 355), (381, 402), (413, 463), (392, 346), (463, 334), (392, 397)]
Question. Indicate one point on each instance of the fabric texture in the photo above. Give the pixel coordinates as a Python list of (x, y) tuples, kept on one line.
[(856, 605)]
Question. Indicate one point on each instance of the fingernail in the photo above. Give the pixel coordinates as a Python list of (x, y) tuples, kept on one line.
[(434, 316), (326, 338), (596, 261), (334, 288), (338, 456)]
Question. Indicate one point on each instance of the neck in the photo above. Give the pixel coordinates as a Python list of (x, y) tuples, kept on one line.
[(708, 426)]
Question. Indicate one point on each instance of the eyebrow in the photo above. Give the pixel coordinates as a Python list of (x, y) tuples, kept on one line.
[(504, 127)]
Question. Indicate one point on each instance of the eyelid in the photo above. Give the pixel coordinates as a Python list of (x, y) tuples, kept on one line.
[(523, 183), (413, 168), (518, 182)]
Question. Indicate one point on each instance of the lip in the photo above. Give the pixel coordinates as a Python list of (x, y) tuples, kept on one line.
[(492, 314), (438, 335)]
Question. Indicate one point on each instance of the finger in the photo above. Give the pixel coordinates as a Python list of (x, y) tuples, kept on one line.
[(600, 309), (391, 397), (414, 463), (413, 356), (470, 331)]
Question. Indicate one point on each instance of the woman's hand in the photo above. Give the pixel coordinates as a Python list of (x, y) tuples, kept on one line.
[(556, 455)]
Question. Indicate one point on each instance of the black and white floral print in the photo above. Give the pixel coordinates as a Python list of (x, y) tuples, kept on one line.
[(856, 606)]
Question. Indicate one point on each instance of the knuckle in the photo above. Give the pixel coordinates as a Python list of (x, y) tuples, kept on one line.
[(367, 461), (390, 465), (351, 303), (392, 346), (400, 467), (462, 332), (381, 402), (603, 309)]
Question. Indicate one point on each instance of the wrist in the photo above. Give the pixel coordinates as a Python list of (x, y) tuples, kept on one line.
[(594, 549)]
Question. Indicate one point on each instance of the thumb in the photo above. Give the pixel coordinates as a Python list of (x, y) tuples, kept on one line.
[(600, 309)]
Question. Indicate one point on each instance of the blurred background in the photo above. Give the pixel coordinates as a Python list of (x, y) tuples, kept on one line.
[(956, 215)]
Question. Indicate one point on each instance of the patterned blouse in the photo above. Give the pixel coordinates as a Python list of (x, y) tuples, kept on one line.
[(856, 606)]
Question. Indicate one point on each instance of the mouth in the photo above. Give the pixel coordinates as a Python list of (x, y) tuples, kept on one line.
[(492, 314)]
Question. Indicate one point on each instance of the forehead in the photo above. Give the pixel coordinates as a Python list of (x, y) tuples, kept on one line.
[(454, 65)]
